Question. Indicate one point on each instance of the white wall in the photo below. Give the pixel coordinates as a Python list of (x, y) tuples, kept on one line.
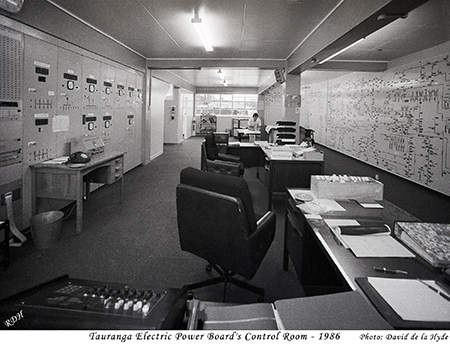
[(187, 110), (157, 96)]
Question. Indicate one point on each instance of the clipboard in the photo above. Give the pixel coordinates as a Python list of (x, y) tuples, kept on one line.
[(389, 313)]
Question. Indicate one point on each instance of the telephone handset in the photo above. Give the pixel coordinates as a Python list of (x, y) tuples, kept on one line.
[(79, 157)]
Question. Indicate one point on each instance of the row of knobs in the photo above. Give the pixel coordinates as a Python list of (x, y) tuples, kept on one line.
[(128, 298)]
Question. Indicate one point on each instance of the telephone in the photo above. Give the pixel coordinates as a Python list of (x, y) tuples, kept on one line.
[(79, 157)]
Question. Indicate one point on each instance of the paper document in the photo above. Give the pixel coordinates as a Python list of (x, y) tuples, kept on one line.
[(318, 206), (412, 299), (333, 224), (370, 204), (60, 160), (376, 245)]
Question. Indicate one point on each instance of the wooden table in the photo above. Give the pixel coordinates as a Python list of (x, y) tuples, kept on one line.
[(63, 182), (278, 172)]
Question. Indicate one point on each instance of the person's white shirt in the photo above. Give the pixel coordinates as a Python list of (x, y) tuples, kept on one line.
[(254, 124)]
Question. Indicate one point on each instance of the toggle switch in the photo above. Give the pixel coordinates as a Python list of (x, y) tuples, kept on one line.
[(146, 308), (137, 306), (118, 304)]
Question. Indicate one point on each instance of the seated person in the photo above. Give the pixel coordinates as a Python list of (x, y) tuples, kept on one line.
[(254, 123)]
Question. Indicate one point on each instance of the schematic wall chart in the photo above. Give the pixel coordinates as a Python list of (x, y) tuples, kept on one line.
[(398, 120)]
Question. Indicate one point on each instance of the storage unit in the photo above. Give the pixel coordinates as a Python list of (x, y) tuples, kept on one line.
[(238, 123)]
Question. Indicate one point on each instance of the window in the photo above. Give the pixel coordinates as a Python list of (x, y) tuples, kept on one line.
[(242, 105)]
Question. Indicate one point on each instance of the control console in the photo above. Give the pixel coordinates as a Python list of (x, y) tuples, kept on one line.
[(66, 303)]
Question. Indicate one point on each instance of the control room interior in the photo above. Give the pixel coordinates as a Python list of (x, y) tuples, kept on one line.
[(369, 78)]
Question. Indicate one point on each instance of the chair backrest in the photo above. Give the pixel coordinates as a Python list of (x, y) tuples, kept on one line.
[(218, 166), (227, 185), (214, 227), (211, 150)]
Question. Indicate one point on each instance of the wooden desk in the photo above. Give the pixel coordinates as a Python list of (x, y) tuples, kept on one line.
[(248, 132), (281, 173), (60, 181), (278, 173), (324, 266)]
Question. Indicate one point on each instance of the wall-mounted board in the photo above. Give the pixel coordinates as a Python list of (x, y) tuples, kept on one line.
[(397, 120)]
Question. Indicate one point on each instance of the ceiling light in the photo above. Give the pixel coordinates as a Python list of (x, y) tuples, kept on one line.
[(392, 16), (341, 51), (197, 21), (221, 75), (225, 84)]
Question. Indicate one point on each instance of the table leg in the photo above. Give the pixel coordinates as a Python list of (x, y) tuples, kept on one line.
[(79, 219), (285, 249), (269, 188)]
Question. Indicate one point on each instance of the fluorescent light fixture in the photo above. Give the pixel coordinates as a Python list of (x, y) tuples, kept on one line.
[(341, 51), (221, 75), (197, 21)]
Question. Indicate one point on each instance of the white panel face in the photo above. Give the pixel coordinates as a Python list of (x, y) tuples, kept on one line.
[(11, 121), (107, 88), (91, 101), (40, 110), (11, 48), (120, 89), (138, 115), (130, 136), (107, 85), (40, 100), (120, 114), (69, 113)]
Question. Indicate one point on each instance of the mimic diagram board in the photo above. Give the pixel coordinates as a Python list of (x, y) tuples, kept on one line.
[(398, 120)]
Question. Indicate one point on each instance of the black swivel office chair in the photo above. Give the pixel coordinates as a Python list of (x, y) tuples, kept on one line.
[(216, 161), (216, 222)]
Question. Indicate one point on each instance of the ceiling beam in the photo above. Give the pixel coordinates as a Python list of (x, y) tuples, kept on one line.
[(363, 66), (364, 17), (213, 63)]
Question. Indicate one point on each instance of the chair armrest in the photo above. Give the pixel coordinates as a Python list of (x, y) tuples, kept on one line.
[(267, 218), (228, 157), (264, 233)]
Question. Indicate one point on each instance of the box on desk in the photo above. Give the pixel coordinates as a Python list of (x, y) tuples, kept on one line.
[(346, 187), (313, 155)]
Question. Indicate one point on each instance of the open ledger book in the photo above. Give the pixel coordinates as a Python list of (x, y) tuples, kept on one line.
[(374, 240), (348, 310)]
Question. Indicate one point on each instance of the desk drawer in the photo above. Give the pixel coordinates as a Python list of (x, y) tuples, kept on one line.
[(108, 174), (115, 171)]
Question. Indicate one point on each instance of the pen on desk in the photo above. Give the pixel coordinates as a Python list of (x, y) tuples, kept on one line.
[(394, 271)]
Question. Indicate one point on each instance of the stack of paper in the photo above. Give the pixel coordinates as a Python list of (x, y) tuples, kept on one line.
[(413, 299)]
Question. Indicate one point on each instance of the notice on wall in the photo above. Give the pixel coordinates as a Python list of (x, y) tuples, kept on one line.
[(61, 123)]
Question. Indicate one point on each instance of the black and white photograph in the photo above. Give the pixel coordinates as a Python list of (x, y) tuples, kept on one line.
[(236, 171)]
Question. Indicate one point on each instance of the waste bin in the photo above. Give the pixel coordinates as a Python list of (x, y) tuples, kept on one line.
[(46, 228)]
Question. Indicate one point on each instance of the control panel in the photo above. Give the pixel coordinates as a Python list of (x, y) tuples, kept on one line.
[(39, 100), (66, 303), (56, 92), (91, 96)]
